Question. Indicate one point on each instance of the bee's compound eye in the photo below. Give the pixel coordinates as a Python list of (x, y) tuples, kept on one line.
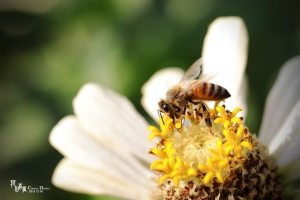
[(166, 107)]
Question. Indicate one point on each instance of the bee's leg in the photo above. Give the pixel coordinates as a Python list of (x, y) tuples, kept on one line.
[(183, 115), (198, 113), (177, 118), (189, 112), (160, 116), (197, 116), (207, 117)]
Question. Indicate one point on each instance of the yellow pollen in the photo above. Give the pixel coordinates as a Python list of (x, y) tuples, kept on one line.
[(155, 133), (192, 172), (219, 177), (158, 153), (236, 120), (204, 167), (228, 149), (235, 111), (223, 163), (247, 145), (175, 179), (219, 120), (154, 164), (178, 125), (214, 152), (221, 110), (208, 177), (220, 145), (165, 164), (159, 167), (239, 133), (238, 150), (163, 178), (176, 173)]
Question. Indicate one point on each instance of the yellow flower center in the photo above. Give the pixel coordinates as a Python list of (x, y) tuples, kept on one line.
[(199, 155)]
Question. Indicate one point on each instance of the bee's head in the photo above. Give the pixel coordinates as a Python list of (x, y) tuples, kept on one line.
[(164, 107)]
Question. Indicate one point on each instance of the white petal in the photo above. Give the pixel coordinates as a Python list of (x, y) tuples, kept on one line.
[(74, 141), (75, 177), (112, 119), (285, 144), (225, 53), (282, 98), (156, 87), (288, 134)]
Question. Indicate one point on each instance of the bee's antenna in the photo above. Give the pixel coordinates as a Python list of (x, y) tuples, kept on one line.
[(160, 116)]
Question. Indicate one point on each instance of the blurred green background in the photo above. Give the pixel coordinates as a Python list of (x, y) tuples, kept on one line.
[(49, 49)]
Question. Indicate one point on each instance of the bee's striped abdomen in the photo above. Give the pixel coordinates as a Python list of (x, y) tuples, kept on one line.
[(221, 93), (209, 91)]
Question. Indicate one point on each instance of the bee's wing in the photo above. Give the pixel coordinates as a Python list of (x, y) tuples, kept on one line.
[(197, 83), (207, 77), (191, 73)]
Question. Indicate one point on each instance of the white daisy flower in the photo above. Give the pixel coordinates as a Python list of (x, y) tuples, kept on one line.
[(105, 144)]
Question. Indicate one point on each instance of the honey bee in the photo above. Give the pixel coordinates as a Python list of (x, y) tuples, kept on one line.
[(191, 90)]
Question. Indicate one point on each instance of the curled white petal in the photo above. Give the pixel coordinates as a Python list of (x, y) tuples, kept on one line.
[(225, 53), (287, 135), (285, 144), (111, 118), (75, 142), (281, 100), (156, 87), (76, 177)]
